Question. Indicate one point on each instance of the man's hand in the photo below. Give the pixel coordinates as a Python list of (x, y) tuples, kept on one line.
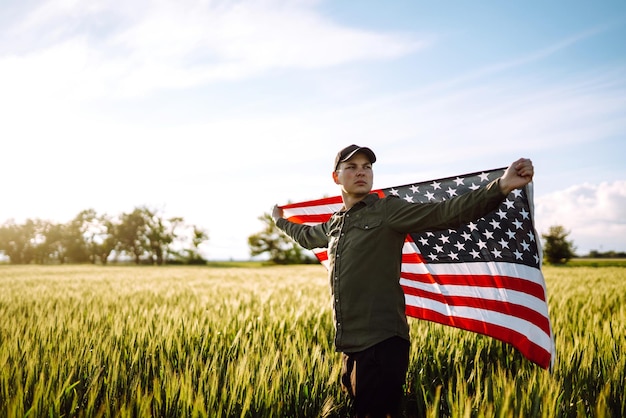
[(517, 175), (277, 213)]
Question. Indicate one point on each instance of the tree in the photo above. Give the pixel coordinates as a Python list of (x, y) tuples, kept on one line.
[(131, 234), (145, 235), (557, 249), (56, 241), (94, 235), (280, 248), (19, 242), (160, 234)]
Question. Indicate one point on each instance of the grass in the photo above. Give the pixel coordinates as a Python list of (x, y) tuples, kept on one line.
[(93, 341)]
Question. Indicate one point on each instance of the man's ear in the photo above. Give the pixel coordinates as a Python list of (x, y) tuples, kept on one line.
[(336, 177)]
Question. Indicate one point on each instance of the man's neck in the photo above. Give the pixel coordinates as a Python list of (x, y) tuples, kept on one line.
[(350, 200)]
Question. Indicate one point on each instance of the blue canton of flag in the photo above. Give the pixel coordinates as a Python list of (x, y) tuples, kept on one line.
[(504, 235)]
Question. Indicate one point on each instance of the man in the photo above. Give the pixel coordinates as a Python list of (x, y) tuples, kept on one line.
[(364, 241)]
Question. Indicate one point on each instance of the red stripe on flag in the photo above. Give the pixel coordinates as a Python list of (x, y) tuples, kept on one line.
[(322, 255), (508, 308), (476, 280), (529, 349), (319, 202), (412, 258), (309, 219)]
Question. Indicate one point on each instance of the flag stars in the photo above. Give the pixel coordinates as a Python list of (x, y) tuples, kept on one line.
[(536, 258), (524, 213), (495, 224), (504, 234)]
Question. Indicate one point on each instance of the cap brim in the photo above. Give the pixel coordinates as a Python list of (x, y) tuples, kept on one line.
[(370, 154)]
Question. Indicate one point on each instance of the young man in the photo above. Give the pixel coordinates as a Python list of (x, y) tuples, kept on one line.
[(364, 241)]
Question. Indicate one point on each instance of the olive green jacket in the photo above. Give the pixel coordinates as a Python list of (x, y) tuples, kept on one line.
[(365, 256)]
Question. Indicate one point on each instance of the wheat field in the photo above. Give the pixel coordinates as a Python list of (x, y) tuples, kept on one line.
[(118, 341)]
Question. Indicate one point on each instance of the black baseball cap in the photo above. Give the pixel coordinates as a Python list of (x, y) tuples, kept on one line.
[(349, 151)]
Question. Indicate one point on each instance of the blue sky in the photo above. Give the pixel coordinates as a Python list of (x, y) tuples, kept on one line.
[(216, 110)]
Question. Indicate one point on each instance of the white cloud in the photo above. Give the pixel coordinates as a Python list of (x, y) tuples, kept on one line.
[(126, 49), (595, 215)]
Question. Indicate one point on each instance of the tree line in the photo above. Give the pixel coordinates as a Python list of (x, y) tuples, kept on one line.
[(142, 236)]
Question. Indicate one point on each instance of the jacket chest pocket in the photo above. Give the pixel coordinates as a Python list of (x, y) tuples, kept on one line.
[(367, 224)]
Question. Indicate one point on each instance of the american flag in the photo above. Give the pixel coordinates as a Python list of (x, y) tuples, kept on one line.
[(484, 276)]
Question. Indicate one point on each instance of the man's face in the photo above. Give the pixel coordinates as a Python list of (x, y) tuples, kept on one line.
[(355, 175)]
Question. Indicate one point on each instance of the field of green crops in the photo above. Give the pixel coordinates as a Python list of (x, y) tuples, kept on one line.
[(91, 341)]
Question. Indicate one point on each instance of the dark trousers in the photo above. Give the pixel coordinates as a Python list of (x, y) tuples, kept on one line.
[(374, 378)]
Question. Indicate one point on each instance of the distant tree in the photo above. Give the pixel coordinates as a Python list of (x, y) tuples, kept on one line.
[(594, 254), (280, 248), (96, 234), (131, 234), (81, 235), (18, 242), (160, 233), (56, 241), (145, 235), (104, 240), (607, 254), (198, 237), (186, 248), (557, 249)]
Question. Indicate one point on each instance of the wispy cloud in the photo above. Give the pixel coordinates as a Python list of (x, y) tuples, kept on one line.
[(132, 48)]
